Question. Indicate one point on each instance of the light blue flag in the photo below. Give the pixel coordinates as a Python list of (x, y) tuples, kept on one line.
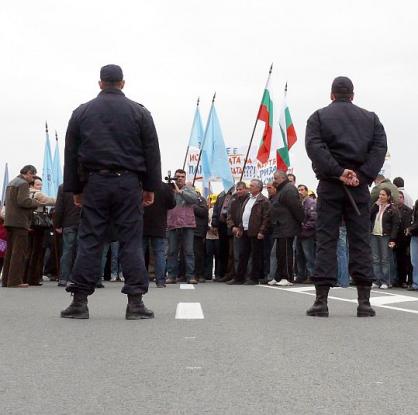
[(48, 186), (5, 183), (56, 165), (197, 133), (215, 164)]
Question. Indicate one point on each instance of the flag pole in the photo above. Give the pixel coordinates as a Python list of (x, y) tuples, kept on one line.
[(201, 148), (255, 126), (188, 145)]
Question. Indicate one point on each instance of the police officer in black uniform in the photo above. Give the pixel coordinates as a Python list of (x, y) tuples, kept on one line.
[(112, 166), (347, 146)]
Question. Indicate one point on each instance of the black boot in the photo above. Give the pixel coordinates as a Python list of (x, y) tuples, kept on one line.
[(320, 307), (136, 309), (364, 309), (78, 308)]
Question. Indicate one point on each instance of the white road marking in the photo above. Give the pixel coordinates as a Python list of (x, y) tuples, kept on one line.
[(189, 311), (381, 301), (193, 367), (190, 338), (186, 287)]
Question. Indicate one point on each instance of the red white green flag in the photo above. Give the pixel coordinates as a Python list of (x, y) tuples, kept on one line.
[(288, 136), (265, 114)]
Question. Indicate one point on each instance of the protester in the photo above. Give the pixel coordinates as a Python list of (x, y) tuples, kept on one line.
[(212, 246), (181, 223), (37, 234), (400, 184), (286, 217), (233, 220), (305, 242), (219, 221), (201, 216), (403, 241), (3, 242), (385, 226), (270, 262), (292, 178), (19, 208), (155, 229), (347, 146), (413, 232), (112, 165), (66, 220), (254, 222), (381, 182)]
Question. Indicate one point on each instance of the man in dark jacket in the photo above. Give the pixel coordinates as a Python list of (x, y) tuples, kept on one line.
[(305, 242), (155, 229), (233, 221), (347, 146), (201, 213), (66, 221), (253, 224), (112, 165), (19, 209), (286, 218)]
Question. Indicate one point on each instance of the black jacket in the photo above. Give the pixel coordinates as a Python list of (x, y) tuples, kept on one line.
[(344, 136), (413, 229), (405, 214), (66, 213), (287, 212), (155, 216), (201, 213), (114, 133), (390, 221), (234, 212)]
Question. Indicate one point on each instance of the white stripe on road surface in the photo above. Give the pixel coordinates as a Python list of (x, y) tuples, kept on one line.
[(189, 311), (380, 301), (186, 287)]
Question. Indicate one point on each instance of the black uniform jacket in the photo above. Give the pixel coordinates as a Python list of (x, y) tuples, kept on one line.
[(344, 136), (111, 132)]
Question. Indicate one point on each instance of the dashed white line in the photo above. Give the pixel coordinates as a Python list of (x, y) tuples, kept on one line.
[(186, 287), (189, 311)]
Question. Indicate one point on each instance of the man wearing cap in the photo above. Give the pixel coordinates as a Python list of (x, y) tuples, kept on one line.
[(112, 166), (347, 146)]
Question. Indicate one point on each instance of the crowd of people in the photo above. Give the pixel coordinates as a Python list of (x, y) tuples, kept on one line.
[(250, 234)]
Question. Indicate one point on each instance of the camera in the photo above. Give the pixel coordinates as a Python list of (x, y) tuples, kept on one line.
[(170, 179)]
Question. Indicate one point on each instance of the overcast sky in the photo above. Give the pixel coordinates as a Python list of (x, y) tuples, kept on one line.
[(174, 51)]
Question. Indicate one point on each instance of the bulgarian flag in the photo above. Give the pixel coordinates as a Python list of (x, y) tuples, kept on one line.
[(265, 113), (288, 136)]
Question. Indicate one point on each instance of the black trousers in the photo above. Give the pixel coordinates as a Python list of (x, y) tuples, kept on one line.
[(333, 205), (110, 198), (284, 256), (403, 260), (250, 247), (199, 256), (223, 248)]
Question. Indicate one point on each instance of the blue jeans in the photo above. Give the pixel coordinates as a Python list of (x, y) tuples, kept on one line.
[(182, 237), (343, 276), (158, 246), (114, 258), (69, 249), (305, 257), (381, 258), (414, 261)]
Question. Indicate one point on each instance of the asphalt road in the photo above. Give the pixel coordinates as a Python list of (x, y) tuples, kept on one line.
[(255, 352)]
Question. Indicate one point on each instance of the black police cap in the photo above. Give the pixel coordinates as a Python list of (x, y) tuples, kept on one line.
[(111, 73), (342, 85)]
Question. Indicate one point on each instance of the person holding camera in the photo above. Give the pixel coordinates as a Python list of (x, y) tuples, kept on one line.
[(181, 223)]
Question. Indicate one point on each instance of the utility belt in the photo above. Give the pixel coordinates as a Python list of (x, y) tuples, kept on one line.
[(112, 172)]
